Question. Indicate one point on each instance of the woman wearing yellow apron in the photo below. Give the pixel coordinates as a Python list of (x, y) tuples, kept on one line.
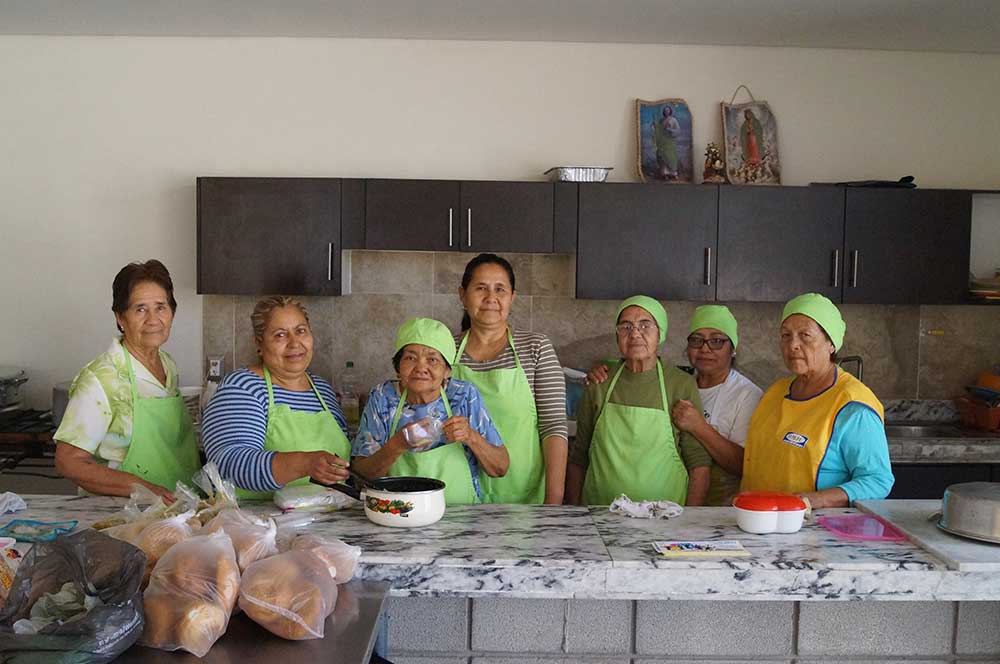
[(274, 424), (626, 442), (126, 422), (409, 426), (521, 381), (820, 433)]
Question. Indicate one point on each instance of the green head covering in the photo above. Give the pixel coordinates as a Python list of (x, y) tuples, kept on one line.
[(426, 332), (823, 311), (654, 308), (716, 317)]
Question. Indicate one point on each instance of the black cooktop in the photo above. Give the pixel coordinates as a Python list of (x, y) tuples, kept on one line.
[(24, 420)]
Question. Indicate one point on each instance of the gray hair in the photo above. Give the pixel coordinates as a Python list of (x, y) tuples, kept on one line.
[(262, 311)]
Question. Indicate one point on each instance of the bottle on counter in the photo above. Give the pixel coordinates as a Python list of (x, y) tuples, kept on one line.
[(349, 398)]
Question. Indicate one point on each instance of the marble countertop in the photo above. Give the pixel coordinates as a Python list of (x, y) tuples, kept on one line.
[(562, 552)]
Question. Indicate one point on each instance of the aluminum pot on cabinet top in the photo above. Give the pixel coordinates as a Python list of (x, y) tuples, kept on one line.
[(972, 509)]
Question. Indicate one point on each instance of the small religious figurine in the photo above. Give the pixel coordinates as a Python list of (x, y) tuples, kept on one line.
[(714, 168)]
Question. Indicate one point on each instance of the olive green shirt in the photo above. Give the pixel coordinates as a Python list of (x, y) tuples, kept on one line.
[(639, 389)]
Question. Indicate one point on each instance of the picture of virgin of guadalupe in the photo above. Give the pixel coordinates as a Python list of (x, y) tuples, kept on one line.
[(751, 139), (664, 141)]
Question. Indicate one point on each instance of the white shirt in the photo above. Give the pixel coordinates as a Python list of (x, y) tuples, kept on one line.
[(729, 405)]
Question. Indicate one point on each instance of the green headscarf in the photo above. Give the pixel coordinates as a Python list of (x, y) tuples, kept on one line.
[(823, 311), (654, 308), (717, 317), (426, 332)]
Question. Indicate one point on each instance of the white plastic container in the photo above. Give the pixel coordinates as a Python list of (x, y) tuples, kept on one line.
[(763, 512)]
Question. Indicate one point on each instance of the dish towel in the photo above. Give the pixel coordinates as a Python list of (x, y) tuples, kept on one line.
[(658, 509), (11, 502)]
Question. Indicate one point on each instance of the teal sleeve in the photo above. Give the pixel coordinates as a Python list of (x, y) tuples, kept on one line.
[(857, 459)]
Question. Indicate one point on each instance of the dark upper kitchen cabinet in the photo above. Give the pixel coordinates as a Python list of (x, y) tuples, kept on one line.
[(507, 216), (778, 242), (659, 240), (269, 235), (434, 215), (907, 246)]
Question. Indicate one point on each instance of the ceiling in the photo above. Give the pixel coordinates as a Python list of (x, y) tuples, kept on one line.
[(919, 25)]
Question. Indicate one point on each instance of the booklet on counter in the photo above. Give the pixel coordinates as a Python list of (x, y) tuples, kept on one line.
[(680, 549)]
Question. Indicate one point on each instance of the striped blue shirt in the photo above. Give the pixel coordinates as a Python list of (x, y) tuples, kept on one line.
[(234, 424)]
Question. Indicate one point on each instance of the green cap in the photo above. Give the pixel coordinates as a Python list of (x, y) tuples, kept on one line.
[(426, 332), (654, 308), (717, 317), (823, 311)]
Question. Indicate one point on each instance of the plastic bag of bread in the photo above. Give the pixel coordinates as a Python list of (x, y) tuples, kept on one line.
[(191, 594), (159, 536), (221, 493), (290, 594), (341, 558), (253, 538)]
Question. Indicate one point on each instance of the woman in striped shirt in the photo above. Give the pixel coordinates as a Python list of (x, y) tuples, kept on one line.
[(275, 424), (521, 382)]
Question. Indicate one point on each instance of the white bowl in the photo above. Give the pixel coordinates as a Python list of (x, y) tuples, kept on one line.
[(404, 509), (762, 523)]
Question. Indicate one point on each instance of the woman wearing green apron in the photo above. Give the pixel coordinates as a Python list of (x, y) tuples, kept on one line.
[(409, 426), (274, 424), (126, 422), (521, 381), (626, 442)]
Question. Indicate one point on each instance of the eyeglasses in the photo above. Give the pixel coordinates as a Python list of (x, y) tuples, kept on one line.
[(715, 343), (643, 326)]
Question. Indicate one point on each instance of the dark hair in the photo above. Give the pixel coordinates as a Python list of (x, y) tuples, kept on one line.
[(398, 357), (134, 274), (470, 268)]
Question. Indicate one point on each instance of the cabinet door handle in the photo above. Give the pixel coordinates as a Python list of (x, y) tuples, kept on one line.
[(836, 268), (708, 266), (855, 259), (468, 230), (329, 261), (451, 228)]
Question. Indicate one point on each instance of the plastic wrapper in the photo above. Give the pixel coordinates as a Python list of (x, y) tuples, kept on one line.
[(423, 433), (253, 538), (311, 496), (80, 594), (144, 506), (191, 594), (156, 537), (11, 502), (340, 557), (290, 594), (26, 530), (221, 493)]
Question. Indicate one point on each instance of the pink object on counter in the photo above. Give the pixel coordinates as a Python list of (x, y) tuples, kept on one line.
[(862, 527)]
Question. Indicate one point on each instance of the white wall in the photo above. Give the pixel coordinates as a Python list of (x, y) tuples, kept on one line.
[(101, 140)]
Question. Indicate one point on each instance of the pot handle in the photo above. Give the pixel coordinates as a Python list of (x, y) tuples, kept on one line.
[(342, 488)]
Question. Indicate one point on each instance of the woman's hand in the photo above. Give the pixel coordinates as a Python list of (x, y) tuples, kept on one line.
[(325, 467), (457, 430), (597, 374), (167, 496), (687, 417)]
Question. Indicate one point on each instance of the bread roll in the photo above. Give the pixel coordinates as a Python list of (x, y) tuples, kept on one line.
[(290, 594), (341, 558), (253, 538)]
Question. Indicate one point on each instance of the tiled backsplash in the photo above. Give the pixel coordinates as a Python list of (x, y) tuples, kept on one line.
[(901, 360)]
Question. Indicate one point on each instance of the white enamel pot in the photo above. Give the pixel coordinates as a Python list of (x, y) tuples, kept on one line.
[(400, 502)]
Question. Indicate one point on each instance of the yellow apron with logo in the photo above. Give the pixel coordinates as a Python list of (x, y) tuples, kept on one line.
[(788, 438)]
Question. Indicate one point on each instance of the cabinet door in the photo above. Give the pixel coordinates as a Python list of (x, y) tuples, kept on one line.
[(507, 216), (421, 215), (883, 263), (775, 243), (269, 235), (927, 481), (658, 240), (944, 218)]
